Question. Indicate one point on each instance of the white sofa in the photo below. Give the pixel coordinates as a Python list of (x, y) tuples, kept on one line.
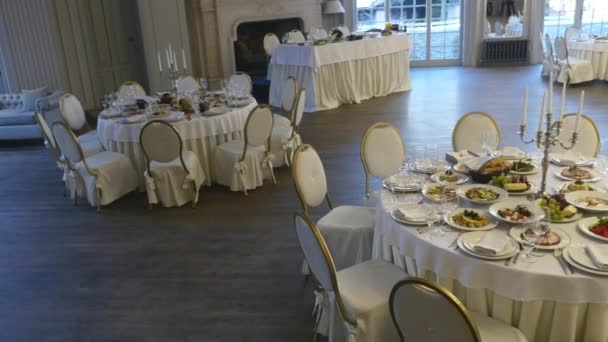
[(16, 124)]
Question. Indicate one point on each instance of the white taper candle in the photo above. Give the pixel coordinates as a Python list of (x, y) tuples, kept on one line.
[(580, 111), (562, 106), (184, 58), (524, 116), (542, 112), (160, 63)]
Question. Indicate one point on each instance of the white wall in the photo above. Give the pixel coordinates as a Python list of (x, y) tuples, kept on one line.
[(163, 22)]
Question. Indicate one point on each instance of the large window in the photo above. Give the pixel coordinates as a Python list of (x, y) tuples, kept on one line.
[(595, 17), (591, 16)]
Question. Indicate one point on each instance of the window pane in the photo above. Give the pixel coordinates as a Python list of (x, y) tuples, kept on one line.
[(420, 12), (395, 2), (559, 15), (421, 2), (395, 14), (595, 17), (436, 12), (370, 14), (445, 31), (408, 2)]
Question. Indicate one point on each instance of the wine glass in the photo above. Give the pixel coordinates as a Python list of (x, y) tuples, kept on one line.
[(487, 142), (431, 217)]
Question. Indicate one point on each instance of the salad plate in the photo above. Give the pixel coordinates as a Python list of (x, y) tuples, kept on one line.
[(449, 177), (514, 184), (482, 193), (566, 187), (524, 167), (560, 211), (588, 200), (469, 219), (514, 211), (435, 192), (574, 173), (553, 239), (595, 227)]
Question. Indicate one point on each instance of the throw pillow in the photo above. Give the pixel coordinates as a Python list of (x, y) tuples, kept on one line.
[(30, 97)]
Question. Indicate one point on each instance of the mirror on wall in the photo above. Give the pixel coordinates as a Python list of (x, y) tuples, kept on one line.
[(504, 18)]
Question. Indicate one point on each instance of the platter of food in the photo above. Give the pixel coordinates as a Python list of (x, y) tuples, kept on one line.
[(577, 173), (469, 219), (449, 177), (558, 209), (588, 200), (514, 184), (578, 185), (553, 239), (439, 192), (514, 211), (483, 169), (596, 227), (482, 194), (524, 167)]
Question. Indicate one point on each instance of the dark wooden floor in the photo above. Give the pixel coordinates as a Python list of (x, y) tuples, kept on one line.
[(228, 270)]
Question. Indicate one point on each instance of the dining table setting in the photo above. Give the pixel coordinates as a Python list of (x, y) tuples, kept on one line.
[(594, 49), (203, 119)]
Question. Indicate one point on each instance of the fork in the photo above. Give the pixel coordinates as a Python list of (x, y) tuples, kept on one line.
[(558, 254)]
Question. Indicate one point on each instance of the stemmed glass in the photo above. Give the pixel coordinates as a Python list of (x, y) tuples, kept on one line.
[(431, 217)]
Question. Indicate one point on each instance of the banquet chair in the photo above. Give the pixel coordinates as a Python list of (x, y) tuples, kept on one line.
[(288, 99), (103, 177), (548, 57), (52, 144), (73, 114), (130, 89), (382, 152), (467, 134), (241, 80), (572, 70), (589, 139), (271, 41), (295, 37), (243, 164), (186, 84), (571, 33), (348, 230), (439, 316), (355, 299), (285, 139), (173, 176)]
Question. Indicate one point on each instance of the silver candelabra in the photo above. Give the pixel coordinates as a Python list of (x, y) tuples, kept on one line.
[(173, 74)]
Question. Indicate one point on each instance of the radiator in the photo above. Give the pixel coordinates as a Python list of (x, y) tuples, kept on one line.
[(504, 51)]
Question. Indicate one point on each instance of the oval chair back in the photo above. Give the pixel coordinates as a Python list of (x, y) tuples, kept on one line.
[(571, 33), (241, 80), (319, 259), (382, 152), (258, 128), (309, 178), (295, 36), (68, 144), (549, 45), (186, 84), (271, 41), (130, 89), (72, 112), (425, 311), (290, 91), (161, 142), (561, 49), (589, 139), (467, 134)]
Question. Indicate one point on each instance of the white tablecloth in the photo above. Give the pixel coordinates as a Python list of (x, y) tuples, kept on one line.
[(540, 299), (200, 135), (345, 72), (595, 52)]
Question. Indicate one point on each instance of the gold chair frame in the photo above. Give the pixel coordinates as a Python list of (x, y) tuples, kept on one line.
[(597, 131), (486, 115), (294, 167)]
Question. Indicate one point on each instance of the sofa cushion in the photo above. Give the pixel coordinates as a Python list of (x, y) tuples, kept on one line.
[(15, 117), (30, 98)]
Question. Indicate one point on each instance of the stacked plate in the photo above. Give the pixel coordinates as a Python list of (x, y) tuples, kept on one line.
[(411, 214), (568, 159), (468, 242), (403, 183), (578, 257), (430, 166), (593, 201)]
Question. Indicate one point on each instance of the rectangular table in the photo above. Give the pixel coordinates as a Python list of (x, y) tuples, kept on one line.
[(344, 72)]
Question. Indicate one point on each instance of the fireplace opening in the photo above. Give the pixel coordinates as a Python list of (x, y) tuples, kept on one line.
[(249, 51)]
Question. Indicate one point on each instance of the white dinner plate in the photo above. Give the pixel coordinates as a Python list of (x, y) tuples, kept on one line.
[(561, 159), (467, 241), (461, 178), (531, 190), (427, 187), (525, 173), (564, 238), (561, 187), (577, 257), (594, 176), (462, 192), (461, 168), (585, 225), (399, 219), (576, 197), (403, 183), (537, 213), (436, 166), (448, 219)]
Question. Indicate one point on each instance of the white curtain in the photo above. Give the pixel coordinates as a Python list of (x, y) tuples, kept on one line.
[(473, 20)]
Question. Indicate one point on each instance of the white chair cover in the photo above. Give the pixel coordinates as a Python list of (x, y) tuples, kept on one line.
[(72, 112), (129, 90), (173, 176), (290, 91), (571, 33), (547, 57), (243, 165), (242, 82), (285, 139), (424, 311), (187, 84), (102, 177), (271, 41), (572, 70), (355, 300), (295, 36), (382, 152), (468, 131), (588, 137), (347, 230)]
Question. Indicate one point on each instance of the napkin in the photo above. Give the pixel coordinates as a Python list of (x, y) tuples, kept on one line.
[(491, 243), (512, 152), (475, 164), (415, 214), (568, 158), (599, 256), (149, 99), (458, 156)]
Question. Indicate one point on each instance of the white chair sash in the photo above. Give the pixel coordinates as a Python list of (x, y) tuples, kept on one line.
[(150, 188)]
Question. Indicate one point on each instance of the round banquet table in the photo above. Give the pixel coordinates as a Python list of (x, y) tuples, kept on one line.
[(594, 51), (537, 297), (200, 135)]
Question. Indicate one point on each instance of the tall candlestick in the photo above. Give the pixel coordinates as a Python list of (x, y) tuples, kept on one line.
[(542, 113), (524, 116), (168, 58), (580, 111), (174, 61), (184, 58), (563, 104), (160, 63)]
